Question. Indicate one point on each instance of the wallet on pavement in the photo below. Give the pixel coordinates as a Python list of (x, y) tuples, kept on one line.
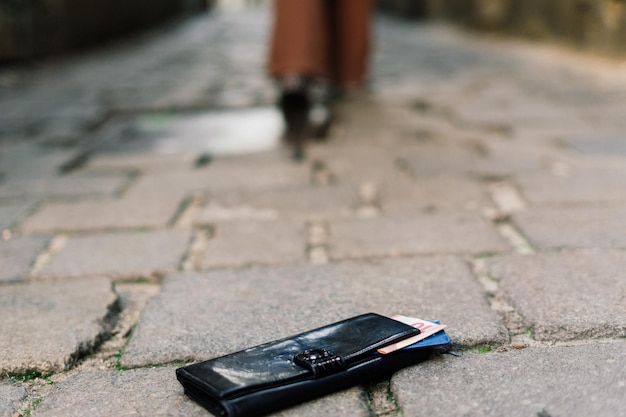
[(282, 373)]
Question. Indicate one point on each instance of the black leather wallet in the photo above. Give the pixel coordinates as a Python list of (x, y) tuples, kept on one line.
[(299, 368)]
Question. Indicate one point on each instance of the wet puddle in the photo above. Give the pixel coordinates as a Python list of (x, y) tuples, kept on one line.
[(227, 132)]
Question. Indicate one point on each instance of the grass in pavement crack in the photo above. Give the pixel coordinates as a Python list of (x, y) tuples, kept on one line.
[(31, 376), (381, 400), (480, 349), (31, 408)]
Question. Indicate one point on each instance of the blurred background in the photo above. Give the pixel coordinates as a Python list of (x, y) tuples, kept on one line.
[(34, 28)]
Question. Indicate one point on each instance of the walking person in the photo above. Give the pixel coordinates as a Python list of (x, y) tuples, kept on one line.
[(317, 47)]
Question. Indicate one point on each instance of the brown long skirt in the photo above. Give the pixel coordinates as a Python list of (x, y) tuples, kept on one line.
[(327, 39)]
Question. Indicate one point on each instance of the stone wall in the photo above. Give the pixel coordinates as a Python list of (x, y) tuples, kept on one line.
[(591, 25), (30, 28)]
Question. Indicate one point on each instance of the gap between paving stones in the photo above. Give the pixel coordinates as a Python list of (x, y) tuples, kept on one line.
[(321, 174), (507, 228), (521, 335), (185, 205), (508, 200), (192, 260), (82, 156), (54, 245), (499, 302), (318, 242), (108, 323), (133, 298), (380, 399), (186, 218), (132, 178)]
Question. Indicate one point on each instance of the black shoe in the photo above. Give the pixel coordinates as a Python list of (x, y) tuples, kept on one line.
[(295, 105)]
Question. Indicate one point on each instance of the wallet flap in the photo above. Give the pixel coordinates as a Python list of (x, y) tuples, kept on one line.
[(347, 342)]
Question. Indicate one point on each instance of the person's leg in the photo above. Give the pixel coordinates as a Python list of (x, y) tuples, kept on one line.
[(351, 43), (300, 40)]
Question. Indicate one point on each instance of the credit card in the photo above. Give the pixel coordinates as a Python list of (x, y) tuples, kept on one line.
[(428, 329)]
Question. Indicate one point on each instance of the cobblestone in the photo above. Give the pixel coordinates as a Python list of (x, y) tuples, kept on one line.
[(10, 397), (275, 302), (465, 154), (439, 192), (574, 227), (18, 255), (350, 165), (262, 172), (125, 213), (143, 163), (90, 393), (238, 244), (120, 255), (445, 231), (310, 203), (12, 213), (583, 185), (65, 187), (567, 295), (52, 325), (23, 160), (573, 381), (153, 392)]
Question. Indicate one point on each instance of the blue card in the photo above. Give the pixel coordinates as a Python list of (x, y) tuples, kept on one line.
[(438, 339)]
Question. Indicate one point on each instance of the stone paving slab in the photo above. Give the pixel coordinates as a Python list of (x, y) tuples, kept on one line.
[(156, 392), (257, 171), (10, 398), (443, 191), (255, 242), (576, 381), (12, 213), (63, 187), (473, 155), (50, 325), (102, 215), (422, 233), (23, 160), (160, 186), (505, 98), (612, 144), (355, 165), (144, 162), (300, 203), (587, 185), (566, 295), (574, 227), (144, 392), (261, 171), (200, 316), (123, 254), (17, 256)]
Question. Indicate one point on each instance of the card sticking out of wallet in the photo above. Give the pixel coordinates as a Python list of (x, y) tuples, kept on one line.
[(427, 329), (285, 372)]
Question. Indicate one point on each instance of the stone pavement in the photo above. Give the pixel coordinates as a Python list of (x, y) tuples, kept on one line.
[(482, 183)]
